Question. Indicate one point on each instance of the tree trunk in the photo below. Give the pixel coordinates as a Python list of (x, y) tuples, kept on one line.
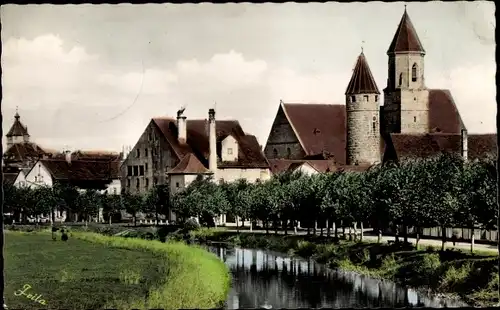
[(157, 217), (362, 233), (251, 225), (286, 227), (472, 237), (275, 222), (315, 227), (405, 232), (110, 219), (321, 229), (335, 231), (443, 237), (237, 223), (350, 233), (418, 237), (355, 228), (379, 239), (135, 219), (267, 227), (308, 230), (328, 228)]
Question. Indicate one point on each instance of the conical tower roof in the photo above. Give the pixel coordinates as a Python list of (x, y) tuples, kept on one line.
[(406, 38), (362, 81), (17, 129)]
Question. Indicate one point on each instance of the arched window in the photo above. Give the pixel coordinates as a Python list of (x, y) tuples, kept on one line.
[(414, 72), (400, 79), (288, 152), (275, 153), (414, 119), (374, 124)]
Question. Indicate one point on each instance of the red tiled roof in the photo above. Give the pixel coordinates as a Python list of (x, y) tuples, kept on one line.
[(23, 151), (426, 145), (82, 170), (406, 38), (353, 168), (91, 155), (362, 81), (319, 127), (443, 114), (17, 129), (189, 165), (250, 154), (9, 178)]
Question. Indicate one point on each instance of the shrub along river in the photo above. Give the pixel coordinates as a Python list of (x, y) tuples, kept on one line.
[(265, 279)]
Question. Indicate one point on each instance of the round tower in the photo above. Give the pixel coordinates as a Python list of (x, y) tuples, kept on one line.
[(363, 116)]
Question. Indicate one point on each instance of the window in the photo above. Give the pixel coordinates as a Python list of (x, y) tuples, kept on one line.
[(288, 152), (145, 152), (147, 183), (353, 98), (275, 153), (128, 182), (366, 97), (36, 179), (229, 151), (400, 79), (414, 73), (115, 191), (376, 98), (150, 136), (155, 180), (129, 170), (141, 170), (414, 119), (137, 183), (177, 185), (374, 124), (138, 153), (136, 170), (221, 181), (146, 167)]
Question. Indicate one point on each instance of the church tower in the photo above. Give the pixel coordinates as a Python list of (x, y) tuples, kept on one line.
[(18, 133), (363, 112), (406, 99)]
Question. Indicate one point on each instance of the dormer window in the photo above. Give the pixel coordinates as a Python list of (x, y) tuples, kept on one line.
[(353, 98), (376, 98), (366, 97), (275, 153), (229, 151), (288, 152), (400, 79)]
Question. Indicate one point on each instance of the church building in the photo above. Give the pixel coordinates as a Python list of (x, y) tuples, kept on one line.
[(414, 120)]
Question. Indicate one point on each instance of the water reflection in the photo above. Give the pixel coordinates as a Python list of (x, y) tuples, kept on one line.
[(264, 279)]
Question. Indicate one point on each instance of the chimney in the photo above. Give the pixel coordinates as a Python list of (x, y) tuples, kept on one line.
[(212, 139), (68, 156), (464, 143), (181, 126)]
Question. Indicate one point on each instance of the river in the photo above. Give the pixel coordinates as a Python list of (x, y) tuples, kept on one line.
[(266, 279)]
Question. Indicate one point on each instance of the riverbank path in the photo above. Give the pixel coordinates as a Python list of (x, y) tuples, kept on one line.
[(385, 239)]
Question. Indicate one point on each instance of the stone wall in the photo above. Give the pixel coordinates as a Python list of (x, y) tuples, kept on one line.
[(363, 129), (151, 152), (283, 139)]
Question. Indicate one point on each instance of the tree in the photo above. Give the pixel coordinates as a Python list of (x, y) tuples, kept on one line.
[(132, 204)]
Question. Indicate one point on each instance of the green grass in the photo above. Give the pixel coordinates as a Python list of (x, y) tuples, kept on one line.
[(92, 271), (453, 272)]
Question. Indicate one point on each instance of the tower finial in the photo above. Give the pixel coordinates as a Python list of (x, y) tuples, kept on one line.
[(362, 43), (16, 116), (405, 7)]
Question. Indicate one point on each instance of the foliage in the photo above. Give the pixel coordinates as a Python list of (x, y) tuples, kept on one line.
[(439, 191)]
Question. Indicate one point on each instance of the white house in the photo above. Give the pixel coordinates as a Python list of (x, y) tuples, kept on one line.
[(100, 175)]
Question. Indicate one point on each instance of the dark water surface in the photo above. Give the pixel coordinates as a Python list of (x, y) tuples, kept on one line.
[(265, 279)]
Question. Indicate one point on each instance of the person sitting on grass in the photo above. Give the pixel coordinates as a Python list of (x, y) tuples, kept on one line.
[(64, 235)]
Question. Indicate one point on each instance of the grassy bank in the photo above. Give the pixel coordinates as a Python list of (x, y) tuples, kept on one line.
[(92, 271), (473, 277)]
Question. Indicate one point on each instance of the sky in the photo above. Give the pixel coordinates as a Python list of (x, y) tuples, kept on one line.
[(93, 76)]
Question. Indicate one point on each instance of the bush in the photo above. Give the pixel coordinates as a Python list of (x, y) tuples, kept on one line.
[(191, 224), (455, 277), (429, 266), (305, 248)]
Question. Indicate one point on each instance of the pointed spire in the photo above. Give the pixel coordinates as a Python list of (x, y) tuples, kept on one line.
[(406, 38), (362, 81), (17, 129)]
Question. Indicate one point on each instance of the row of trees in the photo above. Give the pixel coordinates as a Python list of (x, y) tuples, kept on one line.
[(24, 203), (443, 191)]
